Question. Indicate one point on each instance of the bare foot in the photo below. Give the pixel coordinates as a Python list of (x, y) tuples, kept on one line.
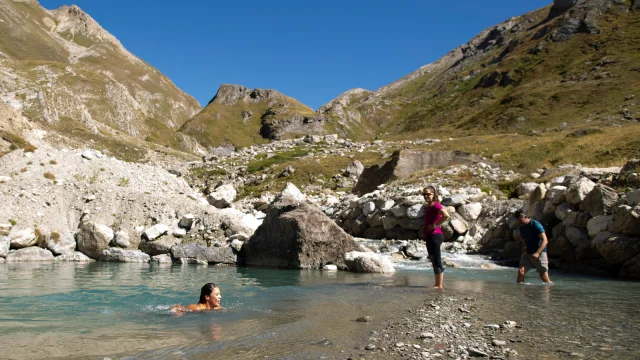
[(437, 287)]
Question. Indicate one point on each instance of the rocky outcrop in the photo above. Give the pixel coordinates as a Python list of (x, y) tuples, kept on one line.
[(32, 253), (406, 162), (297, 236), (122, 255), (60, 244), (93, 238), (202, 254)]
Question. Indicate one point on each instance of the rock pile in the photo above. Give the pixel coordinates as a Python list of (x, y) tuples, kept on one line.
[(589, 225)]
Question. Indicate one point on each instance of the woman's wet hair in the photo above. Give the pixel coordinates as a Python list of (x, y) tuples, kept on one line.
[(433, 190), (206, 290)]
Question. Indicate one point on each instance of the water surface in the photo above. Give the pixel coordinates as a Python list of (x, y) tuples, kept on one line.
[(66, 310)]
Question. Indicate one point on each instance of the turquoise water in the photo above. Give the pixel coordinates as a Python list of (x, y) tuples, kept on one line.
[(66, 310)]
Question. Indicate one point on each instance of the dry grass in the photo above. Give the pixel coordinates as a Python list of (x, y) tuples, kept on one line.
[(49, 176)]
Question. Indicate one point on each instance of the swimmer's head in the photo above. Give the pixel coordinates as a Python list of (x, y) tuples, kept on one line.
[(210, 294)]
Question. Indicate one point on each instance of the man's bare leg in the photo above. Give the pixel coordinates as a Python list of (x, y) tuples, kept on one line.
[(545, 277), (521, 271)]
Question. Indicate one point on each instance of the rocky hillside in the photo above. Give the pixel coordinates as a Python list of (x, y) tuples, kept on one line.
[(571, 66), (241, 116), (64, 79)]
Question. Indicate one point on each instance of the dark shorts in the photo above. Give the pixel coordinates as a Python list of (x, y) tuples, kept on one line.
[(434, 241), (541, 265)]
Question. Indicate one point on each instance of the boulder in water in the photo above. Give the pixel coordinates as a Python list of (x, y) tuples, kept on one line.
[(299, 236), (32, 253), (368, 262), (93, 238), (122, 255)]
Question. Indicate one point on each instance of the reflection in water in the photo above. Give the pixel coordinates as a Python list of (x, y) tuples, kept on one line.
[(120, 310)]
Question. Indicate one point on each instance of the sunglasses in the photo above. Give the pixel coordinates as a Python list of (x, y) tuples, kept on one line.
[(427, 194)]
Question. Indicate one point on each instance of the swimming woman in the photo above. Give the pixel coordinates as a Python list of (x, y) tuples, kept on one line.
[(209, 300), (434, 216)]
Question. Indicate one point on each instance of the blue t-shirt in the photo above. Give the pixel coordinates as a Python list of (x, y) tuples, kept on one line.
[(531, 235)]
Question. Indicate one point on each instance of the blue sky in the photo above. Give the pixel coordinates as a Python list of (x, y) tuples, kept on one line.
[(310, 50)]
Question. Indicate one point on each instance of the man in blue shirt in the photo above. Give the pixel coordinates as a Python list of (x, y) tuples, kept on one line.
[(534, 248)]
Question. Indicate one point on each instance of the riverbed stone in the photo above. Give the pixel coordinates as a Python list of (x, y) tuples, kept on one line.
[(186, 222), (93, 238), (458, 224), (60, 244), (416, 250), (455, 200), (577, 236), (155, 232), (368, 262), (222, 196), (160, 246), (161, 259), (389, 222), (561, 248), (631, 268), (616, 249), (563, 210), (5, 244), (23, 238), (74, 256), (410, 224), (556, 194), (368, 208), (375, 233), (297, 235), (32, 253), (626, 220), (599, 201), (121, 255), (577, 192), (211, 255), (470, 212), (415, 211), (598, 224), (121, 239), (374, 220)]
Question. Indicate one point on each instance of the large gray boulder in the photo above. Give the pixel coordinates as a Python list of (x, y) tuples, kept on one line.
[(458, 224), (416, 250), (577, 192), (222, 196), (160, 246), (577, 236), (598, 224), (5, 244), (204, 254), (60, 244), (600, 200), (122, 255), (524, 189), (616, 249), (416, 211), (626, 220), (556, 194), (74, 256), (561, 248), (599, 174), (455, 200), (33, 253), (23, 238), (470, 212), (633, 198), (93, 238), (299, 236), (367, 262)]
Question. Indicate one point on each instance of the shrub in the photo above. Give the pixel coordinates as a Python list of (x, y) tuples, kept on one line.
[(124, 181), (12, 222), (53, 162), (49, 176)]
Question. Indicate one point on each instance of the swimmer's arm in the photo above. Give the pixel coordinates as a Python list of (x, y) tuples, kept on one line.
[(193, 307)]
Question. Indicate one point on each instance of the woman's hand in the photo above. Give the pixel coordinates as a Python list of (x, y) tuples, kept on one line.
[(430, 227)]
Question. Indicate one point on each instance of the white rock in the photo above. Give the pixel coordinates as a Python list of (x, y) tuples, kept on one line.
[(556, 194), (75, 256), (386, 205), (470, 211), (5, 243), (155, 231), (121, 239), (179, 232), (87, 154), (368, 262), (330, 267), (598, 224), (415, 211), (291, 192), (32, 253), (222, 196), (368, 208), (5, 179), (5, 229), (578, 191), (399, 211), (526, 188), (60, 244), (23, 238), (237, 244)]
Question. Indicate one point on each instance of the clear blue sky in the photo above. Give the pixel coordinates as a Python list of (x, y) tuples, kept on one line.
[(310, 50)]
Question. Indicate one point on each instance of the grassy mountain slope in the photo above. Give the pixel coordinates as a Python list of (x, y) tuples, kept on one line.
[(69, 77), (564, 80), (241, 117)]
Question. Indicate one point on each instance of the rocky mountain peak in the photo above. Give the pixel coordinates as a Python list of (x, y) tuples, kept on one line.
[(73, 20), (229, 94)]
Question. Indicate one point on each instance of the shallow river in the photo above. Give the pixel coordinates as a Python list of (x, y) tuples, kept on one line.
[(97, 310)]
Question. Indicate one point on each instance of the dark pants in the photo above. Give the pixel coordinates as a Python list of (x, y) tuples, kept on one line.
[(434, 242)]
